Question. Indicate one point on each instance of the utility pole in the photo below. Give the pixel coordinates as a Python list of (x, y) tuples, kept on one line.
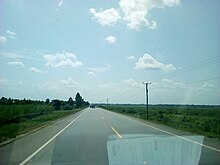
[(146, 83), (107, 104)]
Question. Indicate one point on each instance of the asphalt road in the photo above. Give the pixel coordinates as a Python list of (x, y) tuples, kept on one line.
[(99, 137)]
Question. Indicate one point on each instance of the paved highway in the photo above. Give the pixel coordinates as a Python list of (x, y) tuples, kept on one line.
[(99, 137)]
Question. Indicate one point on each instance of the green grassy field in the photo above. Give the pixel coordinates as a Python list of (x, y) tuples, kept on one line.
[(204, 120), (19, 119)]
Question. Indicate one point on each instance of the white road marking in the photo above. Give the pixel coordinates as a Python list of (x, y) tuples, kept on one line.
[(116, 132), (45, 144), (101, 115), (209, 147)]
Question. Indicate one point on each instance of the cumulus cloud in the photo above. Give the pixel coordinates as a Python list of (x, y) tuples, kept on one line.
[(34, 70), (171, 3), (92, 74), (11, 34), (111, 39), (62, 59), (69, 82), (16, 63), (108, 17), (148, 62), (135, 13), (168, 83), (131, 58), (132, 82), (3, 39), (106, 68), (205, 87)]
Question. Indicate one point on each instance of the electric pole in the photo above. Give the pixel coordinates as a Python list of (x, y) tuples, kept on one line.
[(146, 83), (107, 104)]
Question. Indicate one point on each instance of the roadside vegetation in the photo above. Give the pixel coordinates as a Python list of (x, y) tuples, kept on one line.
[(200, 119), (21, 116)]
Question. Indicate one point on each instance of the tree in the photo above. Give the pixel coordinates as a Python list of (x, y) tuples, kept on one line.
[(47, 101), (79, 100), (56, 104), (70, 101)]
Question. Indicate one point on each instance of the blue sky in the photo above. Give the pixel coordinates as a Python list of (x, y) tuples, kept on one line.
[(54, 49)]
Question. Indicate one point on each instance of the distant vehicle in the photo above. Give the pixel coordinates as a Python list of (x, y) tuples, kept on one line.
[(92, 106)]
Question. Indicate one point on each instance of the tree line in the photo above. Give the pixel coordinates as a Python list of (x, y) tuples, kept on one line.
[(56, 103)]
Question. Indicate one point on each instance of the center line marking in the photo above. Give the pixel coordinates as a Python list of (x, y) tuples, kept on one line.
[(167, 132), (116, 132)]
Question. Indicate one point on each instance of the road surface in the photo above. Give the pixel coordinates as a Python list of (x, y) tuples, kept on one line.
[(99, 137)]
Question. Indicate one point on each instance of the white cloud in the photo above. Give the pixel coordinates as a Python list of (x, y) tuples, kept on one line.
[(131, 58), (69, 82), (34, 70), (18, 55), (171, 3), (135, 13), (10, 55), (148, 62), (133, 83), (167, 80), (19, 83), (3, 39), (109, 86), (11, 34), (153, 24), (111, 39), (106, 68), (168, 83), (108, 17), (205, 87), (62, 59), (16, 63), (4, 82), (92, 74), (60, 3)]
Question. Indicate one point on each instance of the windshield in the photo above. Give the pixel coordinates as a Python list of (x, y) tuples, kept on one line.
[(109, 82)]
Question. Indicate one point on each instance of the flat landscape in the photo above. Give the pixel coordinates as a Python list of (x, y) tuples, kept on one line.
[(96, 136), (123, 82)]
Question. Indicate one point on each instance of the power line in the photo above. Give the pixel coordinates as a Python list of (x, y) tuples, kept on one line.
[(204, 63), (192, 82), (201, 64)]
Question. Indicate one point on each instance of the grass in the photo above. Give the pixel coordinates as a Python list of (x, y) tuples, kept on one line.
[(29, 121), (204, 120)]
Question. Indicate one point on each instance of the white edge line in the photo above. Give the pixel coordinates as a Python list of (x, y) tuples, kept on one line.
[(212, 148), (116, 132), (45, 144)]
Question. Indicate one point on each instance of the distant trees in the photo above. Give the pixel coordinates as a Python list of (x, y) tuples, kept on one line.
[(10, 101), (56, 104)]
